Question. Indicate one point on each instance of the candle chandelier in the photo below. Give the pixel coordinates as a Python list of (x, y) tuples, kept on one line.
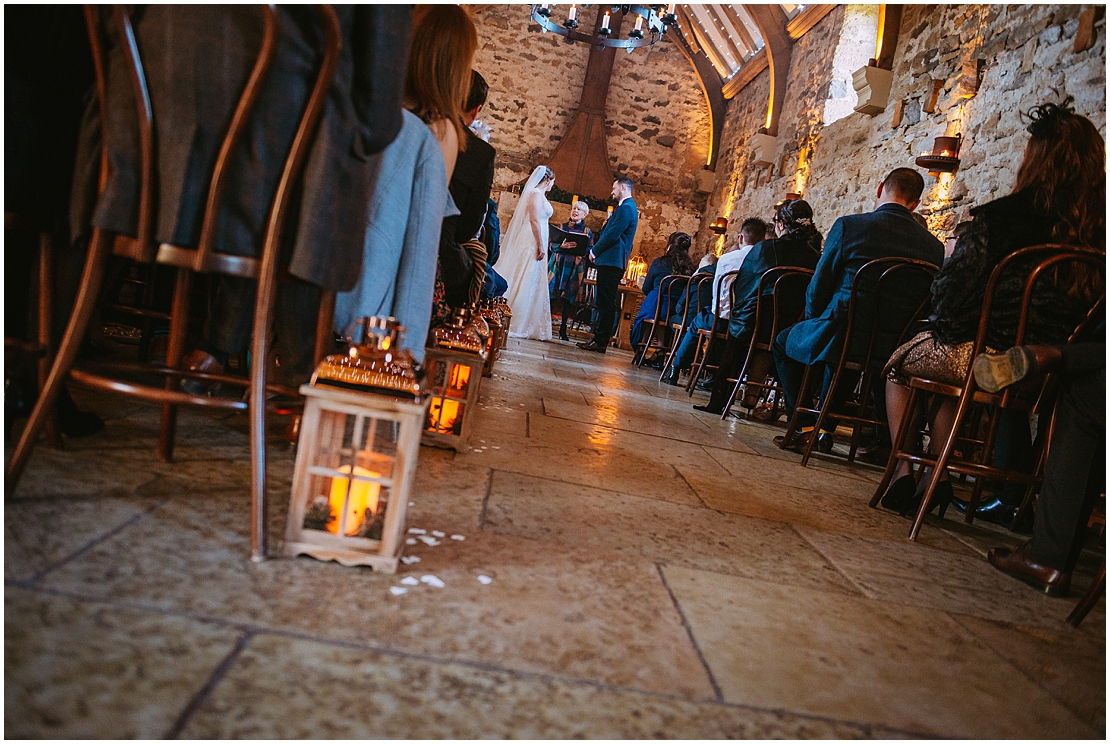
[(652, 21)]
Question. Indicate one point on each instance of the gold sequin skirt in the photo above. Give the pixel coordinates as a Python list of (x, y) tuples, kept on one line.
[(925, 356)]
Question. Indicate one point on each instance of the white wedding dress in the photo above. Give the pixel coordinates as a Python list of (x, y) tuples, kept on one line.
[(527, 294)]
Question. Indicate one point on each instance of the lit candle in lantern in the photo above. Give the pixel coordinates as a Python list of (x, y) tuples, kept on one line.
[(442, 415), (573, 15), (609, 212), (573, 199), (639, 23), (460, 377), (359, 496), (605, 21)]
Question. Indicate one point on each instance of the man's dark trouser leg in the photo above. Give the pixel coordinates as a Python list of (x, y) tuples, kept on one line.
[(608, 281), (790, 373), (1075, 473), (732, 363)]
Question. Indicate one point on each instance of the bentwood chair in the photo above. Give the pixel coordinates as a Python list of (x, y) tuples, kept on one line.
[(671, 287), (692, 305), (1037, 263), (204, 257), (776, 308), (889, 297), (39, 351), (717, 332)]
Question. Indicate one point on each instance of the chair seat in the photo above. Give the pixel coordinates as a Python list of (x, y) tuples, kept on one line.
[(979, 396), (247, 267)]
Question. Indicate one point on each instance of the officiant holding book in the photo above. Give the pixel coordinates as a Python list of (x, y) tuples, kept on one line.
[(568, 262)]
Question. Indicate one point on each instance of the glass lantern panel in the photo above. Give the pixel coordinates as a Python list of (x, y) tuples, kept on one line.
[(347, 506), (450, 379), (352, 450), (445, 416)]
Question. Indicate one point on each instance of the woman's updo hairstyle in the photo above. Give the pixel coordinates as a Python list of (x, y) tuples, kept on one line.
[(797, 217)]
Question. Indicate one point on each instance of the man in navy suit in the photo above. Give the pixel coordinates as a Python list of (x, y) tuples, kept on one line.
[(853, 241), (610, 255)]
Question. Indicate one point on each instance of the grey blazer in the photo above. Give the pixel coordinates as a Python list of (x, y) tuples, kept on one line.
[(406, 210), (197, 58)]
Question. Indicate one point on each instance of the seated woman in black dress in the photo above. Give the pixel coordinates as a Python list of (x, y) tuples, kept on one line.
[(1059, 197), (675, 260)]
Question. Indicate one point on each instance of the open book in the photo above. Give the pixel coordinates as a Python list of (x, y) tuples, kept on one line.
[(556, 236)]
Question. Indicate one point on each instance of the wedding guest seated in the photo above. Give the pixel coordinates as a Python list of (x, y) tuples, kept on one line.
[(495, 284), (752, 231), (800, 245), (707, 265), (1075, 474), (675, 260), (568, 266), (410, 199), (1059, 197), (470, 188), (854, 240)]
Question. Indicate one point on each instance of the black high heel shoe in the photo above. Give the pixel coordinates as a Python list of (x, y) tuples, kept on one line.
[(942, 497), (899, 494)]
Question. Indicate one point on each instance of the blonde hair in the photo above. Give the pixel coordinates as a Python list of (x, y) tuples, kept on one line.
[(584, 204), (441, 52)]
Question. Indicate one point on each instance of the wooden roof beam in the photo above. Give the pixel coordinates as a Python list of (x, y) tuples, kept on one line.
[(777, 44), (890, 21)]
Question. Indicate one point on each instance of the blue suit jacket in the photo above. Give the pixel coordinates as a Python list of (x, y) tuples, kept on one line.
[(853, 241), (614, 244)]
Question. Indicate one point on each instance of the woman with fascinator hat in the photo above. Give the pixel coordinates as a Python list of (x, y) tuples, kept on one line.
[(1059, 197)]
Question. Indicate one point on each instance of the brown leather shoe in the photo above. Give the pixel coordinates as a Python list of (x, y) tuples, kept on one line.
[(200, 361), (1020, 564)]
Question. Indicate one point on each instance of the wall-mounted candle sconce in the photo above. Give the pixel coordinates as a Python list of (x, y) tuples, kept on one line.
[(718, 226), (945, 157)]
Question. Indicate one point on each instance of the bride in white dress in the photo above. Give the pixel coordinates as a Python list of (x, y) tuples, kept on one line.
[(523, 261)]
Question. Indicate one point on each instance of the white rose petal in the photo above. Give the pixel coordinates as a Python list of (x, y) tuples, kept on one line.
[(437, 533), (483, 579), (431, 580), (408, 560), (417, 531), (410, 541), (409, 581), (458, 537), (398, 590)]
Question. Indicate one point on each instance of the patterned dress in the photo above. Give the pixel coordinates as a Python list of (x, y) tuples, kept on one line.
[(566, 271)]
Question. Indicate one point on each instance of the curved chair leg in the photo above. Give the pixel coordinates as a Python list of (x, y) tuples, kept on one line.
[(325, 319), (803, 394), (175, 350), (91, 278), (1089, 599), (46, 327), (897, 446)]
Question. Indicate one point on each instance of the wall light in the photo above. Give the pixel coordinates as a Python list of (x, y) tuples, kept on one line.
[(719, 226), (945, 157)]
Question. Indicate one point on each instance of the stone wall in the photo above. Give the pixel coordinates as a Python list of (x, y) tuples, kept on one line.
[(657, 118), (1027, 52)]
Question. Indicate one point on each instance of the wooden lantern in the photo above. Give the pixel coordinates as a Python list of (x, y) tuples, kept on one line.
[(454, 365), (452, 384), (356, 456)]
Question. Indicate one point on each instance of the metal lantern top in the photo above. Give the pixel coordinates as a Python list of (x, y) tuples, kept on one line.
[(652, 22), (460, 334), (376, 363)]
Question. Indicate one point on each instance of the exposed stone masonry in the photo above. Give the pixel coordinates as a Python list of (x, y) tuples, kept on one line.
[(657, 119), (1027, 51)]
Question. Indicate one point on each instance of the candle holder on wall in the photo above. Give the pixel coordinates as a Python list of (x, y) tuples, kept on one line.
[(719, 226), (945, 157)]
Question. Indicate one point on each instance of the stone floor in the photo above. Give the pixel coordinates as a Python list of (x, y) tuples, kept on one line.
[(656, 573)]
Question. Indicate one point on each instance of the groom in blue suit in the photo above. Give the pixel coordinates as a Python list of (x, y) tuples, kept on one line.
[(610, 255)]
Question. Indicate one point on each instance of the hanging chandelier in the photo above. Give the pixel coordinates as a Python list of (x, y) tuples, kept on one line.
[(652, 21)]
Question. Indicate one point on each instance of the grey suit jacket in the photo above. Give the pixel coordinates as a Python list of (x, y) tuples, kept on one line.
[(197, 59), (406, 210)]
